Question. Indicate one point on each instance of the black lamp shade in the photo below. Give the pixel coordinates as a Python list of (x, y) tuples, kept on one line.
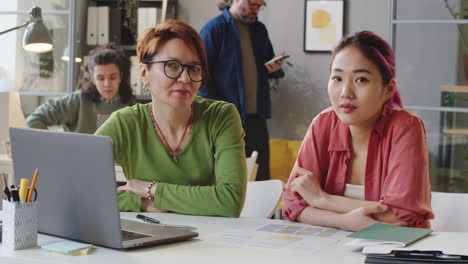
[(36, 38)]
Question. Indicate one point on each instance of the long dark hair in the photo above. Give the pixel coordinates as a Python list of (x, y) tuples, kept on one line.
[(107, 54), (377, 50)]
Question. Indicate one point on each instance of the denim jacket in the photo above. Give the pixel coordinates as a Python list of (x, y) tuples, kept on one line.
[(225, 80)]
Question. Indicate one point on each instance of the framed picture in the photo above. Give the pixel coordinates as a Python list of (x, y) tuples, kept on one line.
[(323, 25)]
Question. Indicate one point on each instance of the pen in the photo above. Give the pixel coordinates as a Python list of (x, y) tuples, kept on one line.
[(15, 195), (155, 221), (5, 187), (33, 185), (147, 219), (23, 192)]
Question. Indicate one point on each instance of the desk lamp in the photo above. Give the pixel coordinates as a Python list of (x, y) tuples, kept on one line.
[(36, 38), (66, 55)]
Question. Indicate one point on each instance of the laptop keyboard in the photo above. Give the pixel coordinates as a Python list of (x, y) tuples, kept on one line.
[(127, 235)]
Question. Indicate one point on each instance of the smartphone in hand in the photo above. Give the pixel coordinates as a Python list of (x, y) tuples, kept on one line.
[(278, 58)]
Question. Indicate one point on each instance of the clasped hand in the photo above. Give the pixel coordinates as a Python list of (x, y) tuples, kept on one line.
[(137, 187), (140, 188), (307, 185)]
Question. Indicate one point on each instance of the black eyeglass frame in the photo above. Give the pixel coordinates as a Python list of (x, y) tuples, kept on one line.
[(255, 6), (182, 67)]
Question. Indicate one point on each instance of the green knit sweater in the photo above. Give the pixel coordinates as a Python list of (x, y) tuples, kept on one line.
[(209, 176), (75, 112)]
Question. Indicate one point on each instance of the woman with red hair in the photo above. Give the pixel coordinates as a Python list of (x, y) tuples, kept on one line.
[(180, 152)]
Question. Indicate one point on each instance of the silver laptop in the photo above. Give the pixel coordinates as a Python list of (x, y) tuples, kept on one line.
[(76, 188)]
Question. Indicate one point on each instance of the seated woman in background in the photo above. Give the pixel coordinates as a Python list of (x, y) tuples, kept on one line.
[(105, 88), (365, 159), (180, 152)]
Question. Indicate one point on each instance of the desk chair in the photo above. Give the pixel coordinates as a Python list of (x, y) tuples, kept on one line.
[(252, 166), (11, 115), (262, 198), (283, 155), (450, 211)]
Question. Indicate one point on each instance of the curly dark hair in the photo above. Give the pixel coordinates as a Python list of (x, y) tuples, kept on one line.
[(223, 4), (106, 54)]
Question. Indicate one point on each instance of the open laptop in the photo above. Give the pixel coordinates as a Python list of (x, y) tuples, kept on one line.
[(76, 187)]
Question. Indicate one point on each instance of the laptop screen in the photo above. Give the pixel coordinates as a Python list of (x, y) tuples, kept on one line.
[(76, 186)]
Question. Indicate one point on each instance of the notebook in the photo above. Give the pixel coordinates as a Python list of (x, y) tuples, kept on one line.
[(386, 235), (68, 247), (76, 188)]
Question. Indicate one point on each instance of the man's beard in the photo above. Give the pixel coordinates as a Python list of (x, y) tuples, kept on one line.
[(243, 15)]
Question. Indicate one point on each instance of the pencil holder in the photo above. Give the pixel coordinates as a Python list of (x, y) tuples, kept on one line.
[(20, 224)]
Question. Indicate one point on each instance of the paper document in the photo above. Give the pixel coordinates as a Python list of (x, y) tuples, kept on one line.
[(280, 235), (299, 230)]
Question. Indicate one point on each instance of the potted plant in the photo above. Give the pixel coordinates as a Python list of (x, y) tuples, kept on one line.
[(130, 18), (462, 14)]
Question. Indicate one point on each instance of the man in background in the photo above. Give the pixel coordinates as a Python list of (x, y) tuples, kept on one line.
[(238, 47)]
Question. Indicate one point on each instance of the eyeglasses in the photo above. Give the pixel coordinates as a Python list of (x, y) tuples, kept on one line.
[(173, 70), (255, 6)]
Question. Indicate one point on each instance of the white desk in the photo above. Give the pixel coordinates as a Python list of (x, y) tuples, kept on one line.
[(193, 251), (198, 250)]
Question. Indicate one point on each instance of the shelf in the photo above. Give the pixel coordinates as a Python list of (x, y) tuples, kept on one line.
[(113, 1), (43, 93), (456, 131), (143, 99), (128, 47), (454, 88)]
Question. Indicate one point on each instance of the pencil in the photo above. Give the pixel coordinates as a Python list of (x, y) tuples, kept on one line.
[(5, 184), (33, 184)]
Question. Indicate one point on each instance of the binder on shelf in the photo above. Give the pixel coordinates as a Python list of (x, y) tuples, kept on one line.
[(135, 76), (142, 15), (92, 27), (103, 25), (115, 21), (151, 17), (148, 17)]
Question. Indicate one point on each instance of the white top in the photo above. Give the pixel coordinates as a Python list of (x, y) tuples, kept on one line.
[(354, 191)]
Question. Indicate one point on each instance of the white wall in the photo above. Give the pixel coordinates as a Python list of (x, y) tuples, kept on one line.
[(302, 92), (7, 46)]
